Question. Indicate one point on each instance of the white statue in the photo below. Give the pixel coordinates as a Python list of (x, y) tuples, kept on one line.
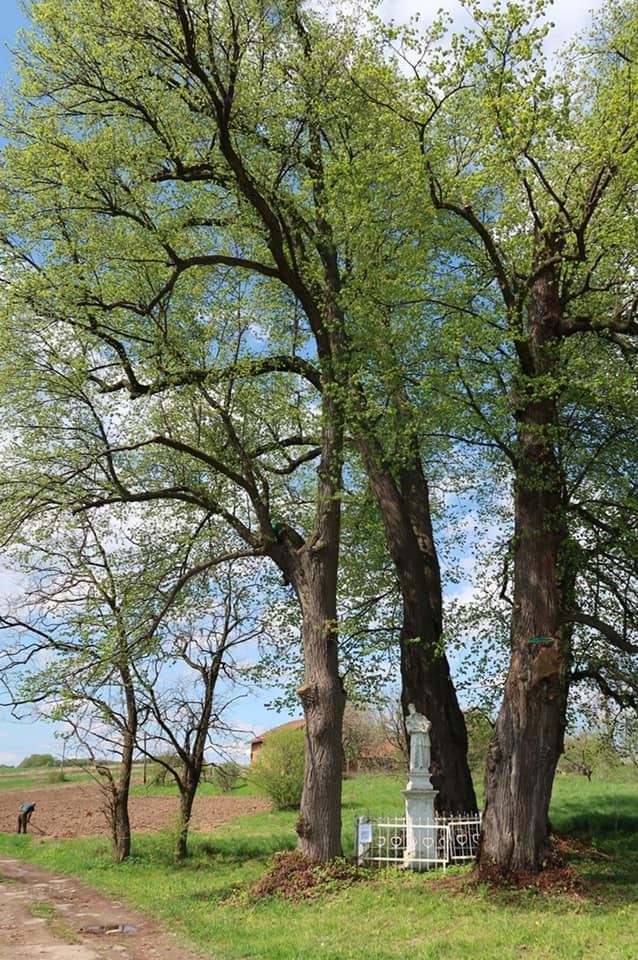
[(418, 727)]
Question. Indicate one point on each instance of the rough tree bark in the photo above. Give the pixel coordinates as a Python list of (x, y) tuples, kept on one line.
[(311, 566), (404, 505), (528, 736), (323, 700)]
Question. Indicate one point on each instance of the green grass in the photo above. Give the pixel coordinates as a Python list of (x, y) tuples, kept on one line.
[(389, 915), (244, 788), (13, 779), (42, 909)]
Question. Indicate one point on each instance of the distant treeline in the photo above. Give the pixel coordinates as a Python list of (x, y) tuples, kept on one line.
[(44, 761)]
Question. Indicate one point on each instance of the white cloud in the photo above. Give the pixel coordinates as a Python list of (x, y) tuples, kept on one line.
[(568, 16), (10, 582)]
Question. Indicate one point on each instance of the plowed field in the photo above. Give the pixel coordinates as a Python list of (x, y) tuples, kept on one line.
[(76, 811)]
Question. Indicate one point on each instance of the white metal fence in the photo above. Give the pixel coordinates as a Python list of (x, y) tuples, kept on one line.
[(392, 842)]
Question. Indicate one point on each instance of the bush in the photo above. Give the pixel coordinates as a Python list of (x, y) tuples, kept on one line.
[(278, 769), (36, 760), (226, 775), (56, 776), (160, 775)]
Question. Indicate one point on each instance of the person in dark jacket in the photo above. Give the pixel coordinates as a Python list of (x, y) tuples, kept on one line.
[(24, 815)]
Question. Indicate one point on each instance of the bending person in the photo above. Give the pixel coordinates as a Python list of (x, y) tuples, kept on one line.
[(24, 815)]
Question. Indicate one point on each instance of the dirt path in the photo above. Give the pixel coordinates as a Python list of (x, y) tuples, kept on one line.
[(48, 916)]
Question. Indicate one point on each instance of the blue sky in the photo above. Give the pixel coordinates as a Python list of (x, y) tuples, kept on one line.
[(10, 22), (20, 738), (17, 738)]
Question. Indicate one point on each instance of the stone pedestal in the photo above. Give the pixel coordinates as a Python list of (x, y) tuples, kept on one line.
[(420, 825)]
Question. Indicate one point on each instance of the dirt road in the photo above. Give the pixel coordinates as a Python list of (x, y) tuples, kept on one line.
[(43, 915)]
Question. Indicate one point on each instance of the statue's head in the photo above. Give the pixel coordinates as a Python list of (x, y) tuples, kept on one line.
[(411, 708)]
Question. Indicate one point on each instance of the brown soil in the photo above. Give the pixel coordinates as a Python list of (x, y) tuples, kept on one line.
[(69, 811)]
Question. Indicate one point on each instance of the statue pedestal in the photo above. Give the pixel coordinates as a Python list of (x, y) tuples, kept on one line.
[(421, 830)]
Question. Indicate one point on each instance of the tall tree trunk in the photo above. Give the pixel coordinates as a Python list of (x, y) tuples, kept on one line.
[(193, 764), (121, 823), (425, 672), (116, 794), (118, 802), (323, 699), (528, 736), (311, 566)]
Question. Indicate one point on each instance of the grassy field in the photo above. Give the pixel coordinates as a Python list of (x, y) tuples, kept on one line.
[(384, 915), (12, 778)]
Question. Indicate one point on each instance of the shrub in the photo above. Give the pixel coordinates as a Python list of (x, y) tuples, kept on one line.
[(159, 774), (226, 775), (278, 769), (56, 776)]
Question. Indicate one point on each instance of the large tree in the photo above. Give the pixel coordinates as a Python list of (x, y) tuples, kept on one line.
[(534, 182), (149, 229), (182, 143)]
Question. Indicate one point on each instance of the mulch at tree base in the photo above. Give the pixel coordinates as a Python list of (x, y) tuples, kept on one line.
[(295, 877)]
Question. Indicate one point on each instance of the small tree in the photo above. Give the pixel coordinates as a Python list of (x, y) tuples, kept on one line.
[(479, 733), (185, 714), (397, 734), (587, 752), (85, 633), (226, 775)]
